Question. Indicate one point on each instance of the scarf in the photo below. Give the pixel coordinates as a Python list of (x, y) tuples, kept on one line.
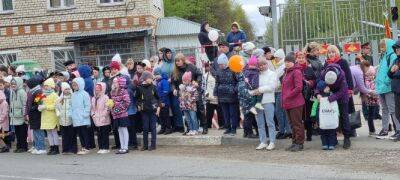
[(48, 92), (303, 66), (333, 60)]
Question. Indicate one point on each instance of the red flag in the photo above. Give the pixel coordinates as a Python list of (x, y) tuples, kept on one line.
[(388, 34)]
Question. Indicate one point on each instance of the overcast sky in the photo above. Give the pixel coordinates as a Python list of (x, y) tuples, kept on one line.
[(251, 9)]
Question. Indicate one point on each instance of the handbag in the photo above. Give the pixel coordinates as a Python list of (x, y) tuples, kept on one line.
[(355, 120)]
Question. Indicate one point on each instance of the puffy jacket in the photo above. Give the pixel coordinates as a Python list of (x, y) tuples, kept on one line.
[(49, 119), (292, 86), (121, 101), (236, 37), (31, 109), (4, 121), (80, 105), (168, 65), (164, 89), (279, 69), (86, 73), (267, 85), (226, 86), (344, 65), (339, 88), (187, 97), (382, 81), (63, 106), (147, 97), (196, 75), (209, 85), (17, 102), (99, 110)]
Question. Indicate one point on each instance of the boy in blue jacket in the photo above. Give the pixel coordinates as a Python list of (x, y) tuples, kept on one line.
[(163, 89)]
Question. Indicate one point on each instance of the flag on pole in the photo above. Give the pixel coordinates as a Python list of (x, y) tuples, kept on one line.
[(388, 33)]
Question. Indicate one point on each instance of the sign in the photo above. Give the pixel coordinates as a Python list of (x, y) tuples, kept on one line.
[(352, 47)]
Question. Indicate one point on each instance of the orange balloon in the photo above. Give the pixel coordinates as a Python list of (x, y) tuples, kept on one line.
[(236, 63)]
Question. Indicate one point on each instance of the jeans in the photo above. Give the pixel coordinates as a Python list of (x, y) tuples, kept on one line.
[(191, 119), (284, 126), (176, 111), (210, 109), (230, 111), (149, 124), (103, 138), (388, 110), (69, 142), (266, 115), (38, 136), (328, 137)]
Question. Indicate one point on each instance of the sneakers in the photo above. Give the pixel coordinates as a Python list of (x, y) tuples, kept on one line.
[(372, 134), (383, 135), (31, 149), (395, 135), (346, 143), (162, 131), (261, 146), (103, 151), (20, 150), (297, 147), (331, 148), (271, 147), (253, 111), (325, 147), (227, 131), (4, 150), (280, 136), (259, 106), (39, 152), (83, 152), (122, 151)]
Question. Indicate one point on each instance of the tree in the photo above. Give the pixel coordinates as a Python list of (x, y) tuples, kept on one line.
[(219, 14)]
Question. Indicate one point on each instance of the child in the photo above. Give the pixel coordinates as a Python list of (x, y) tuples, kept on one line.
[(187, 97), (4, 123), (33, 115), (120, 96), (370, 100), (101, 117), (49, 119), (148, 98), (63, 111), (163, 90), (252, 78), (80, 113), (328, 136), (17, 104)]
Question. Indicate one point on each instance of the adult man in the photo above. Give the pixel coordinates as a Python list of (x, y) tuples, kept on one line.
[(236, 36)]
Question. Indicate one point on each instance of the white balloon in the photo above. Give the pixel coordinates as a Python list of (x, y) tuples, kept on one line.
[(213, 35)]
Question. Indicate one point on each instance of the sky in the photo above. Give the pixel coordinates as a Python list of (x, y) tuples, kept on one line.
[(251, 8)]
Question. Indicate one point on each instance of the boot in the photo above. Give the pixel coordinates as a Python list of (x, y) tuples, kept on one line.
[(205, 131), (346, 143), (51, 150), (162, 131), (56, 150), (168, 131), (297, 147)]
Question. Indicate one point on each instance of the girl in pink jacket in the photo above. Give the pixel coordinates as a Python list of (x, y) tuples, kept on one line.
[(100, 113), (4, 122)]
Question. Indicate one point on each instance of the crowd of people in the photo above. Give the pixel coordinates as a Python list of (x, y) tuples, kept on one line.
[(272, 97)]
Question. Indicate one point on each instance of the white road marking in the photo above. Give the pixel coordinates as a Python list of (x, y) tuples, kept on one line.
[(20, 177)]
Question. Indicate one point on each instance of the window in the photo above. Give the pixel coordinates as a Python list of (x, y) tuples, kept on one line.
[(6, 6), (61, 55), (111, 2), (60, 4), (7, 57)]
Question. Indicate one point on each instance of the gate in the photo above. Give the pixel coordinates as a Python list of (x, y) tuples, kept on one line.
[(331, 21)]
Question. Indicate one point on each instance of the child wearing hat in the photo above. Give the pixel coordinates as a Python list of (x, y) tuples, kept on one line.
[(187, 97), (18, 99), (49, 119), (163, 90), (148, 105), (252, 78)]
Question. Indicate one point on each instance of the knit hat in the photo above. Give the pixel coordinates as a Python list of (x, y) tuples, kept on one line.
[(222, 59), (65, 86), (258, 52), (50, 82), (146, 63), (248, 46), (330, 77), (116, 58), (115, 65), (146, 75), (290, 58), (65, 74), (253, 61), (279, 54), (20, 68), (8, 79), (187, 76)]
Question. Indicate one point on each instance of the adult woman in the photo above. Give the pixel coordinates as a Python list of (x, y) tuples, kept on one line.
[(267, 85), (206, 43), (181, 66), (309, 80), (312, 50), (131, 67)]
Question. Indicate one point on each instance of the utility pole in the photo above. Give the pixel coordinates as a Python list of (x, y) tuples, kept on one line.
[(275, 23), (394, 21)]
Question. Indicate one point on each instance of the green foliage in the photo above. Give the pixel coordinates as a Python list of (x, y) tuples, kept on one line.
[(219, 13)]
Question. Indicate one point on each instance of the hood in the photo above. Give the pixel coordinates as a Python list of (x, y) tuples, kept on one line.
[(50, 82), (165, 56), (2, 96), (164, 75), (18, 81), (32, 82), (103, 88), (203, 27), (389, 46), (80, 82), (65, 86), (237, 24), (85, 71)]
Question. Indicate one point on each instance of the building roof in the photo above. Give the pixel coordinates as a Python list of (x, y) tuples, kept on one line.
[(173, 26), (108, 34)]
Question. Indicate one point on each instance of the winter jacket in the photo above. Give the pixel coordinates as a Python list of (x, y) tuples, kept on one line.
[(164, 89), (203, 36), (196, 75), (4, 120), (292, 86), (168, 65), (316, 65), (147, 97), (209, 85), (187, 97), (80, 105), (136, 79), (121, 101), (31, 109), (226, 86), (268, 82), (339, 89), (99, 111), (370, 99), (245, 99), (279, 69), (235, 38), (252, 75), (86, 73), (358, 80), (17, 103), (395, 76), (63, 107), (344, 65), (49, 119), (382, 81)]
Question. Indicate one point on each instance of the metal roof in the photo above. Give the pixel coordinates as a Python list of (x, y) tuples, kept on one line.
[(108, 34), (173, 26)]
